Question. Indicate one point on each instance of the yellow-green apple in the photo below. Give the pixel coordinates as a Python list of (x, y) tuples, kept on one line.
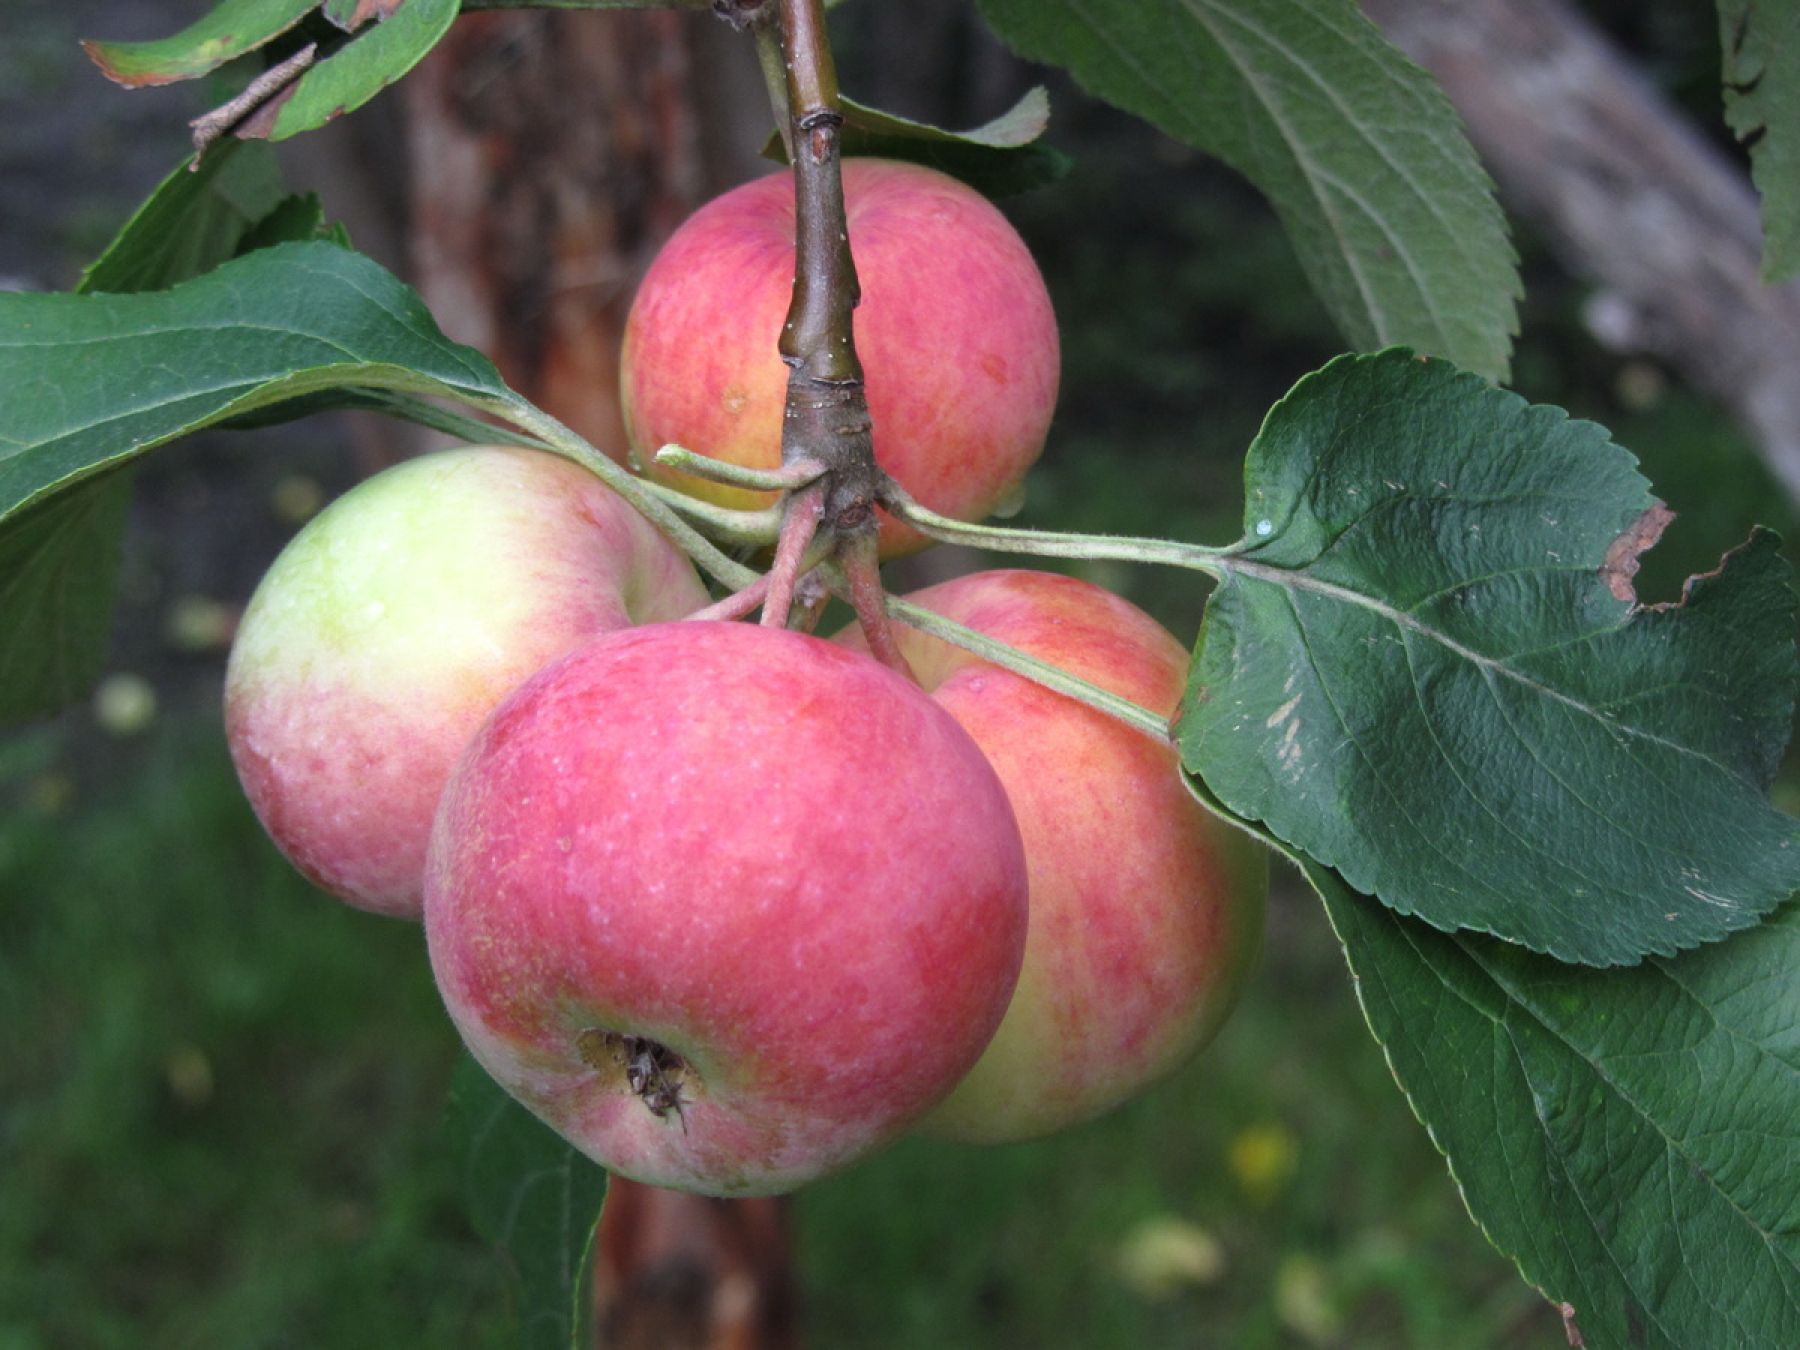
[(727, 906), (1146, 910), (955, 331), (394, 622)]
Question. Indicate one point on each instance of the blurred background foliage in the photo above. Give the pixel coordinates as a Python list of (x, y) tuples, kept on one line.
[(221, 1094)]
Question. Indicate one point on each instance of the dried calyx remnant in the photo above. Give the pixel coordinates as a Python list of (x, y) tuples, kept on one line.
[(653, 1072)]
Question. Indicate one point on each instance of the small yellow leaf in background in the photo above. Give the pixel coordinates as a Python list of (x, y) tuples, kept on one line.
[(190, 1077), (1304, 1301), (50, 794), (1263, 1159), (297, 499), (124, 704), (197, 625), (1165, 1255)]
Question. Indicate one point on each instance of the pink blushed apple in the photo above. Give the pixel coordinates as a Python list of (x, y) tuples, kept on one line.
[(394, 622), (727, 906), (1146, 910), (955, 331)]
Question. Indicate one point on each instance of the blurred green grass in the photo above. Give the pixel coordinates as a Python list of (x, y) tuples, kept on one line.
[(219, 1091), (221, 1125)]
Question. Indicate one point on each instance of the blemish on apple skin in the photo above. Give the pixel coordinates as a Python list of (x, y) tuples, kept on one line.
[(734, 398)]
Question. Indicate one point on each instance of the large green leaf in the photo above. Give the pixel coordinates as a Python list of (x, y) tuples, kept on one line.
[(1761, 47), (294, 219), (1359, 152), (59, 563), (1423, 667), (227, 31), (195, 219), (94, 381), (380, 54), (534, 1198), (59, 568), (1001, 158), (1630, 1138)]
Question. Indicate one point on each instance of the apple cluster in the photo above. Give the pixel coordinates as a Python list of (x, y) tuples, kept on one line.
[(730, 906)]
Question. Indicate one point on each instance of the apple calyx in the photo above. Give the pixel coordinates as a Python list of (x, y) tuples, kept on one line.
[(652, 1072)]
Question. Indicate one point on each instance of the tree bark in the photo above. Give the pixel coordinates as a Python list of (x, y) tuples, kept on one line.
[(1629, 194), (550, 156)]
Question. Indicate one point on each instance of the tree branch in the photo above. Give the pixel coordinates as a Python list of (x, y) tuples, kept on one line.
[(1631, 195), (827, 416)]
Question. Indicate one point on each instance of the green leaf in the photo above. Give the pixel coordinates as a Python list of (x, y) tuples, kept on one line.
[(59, 570), (226, 32), (1761, 48), (195, 219), (292, 220), (533, 1197), (94, 381), (391, 36), (362, 68), (1359, 152), (59, 563), (1629, 1138), (596, 4), (999, 159), (1418, 669)]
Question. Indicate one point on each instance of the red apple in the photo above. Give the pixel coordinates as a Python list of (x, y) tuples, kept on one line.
[(1146, 909), (395, 621), (727, 906), (955, 331)]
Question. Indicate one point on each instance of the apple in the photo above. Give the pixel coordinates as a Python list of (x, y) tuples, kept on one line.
[(955, 331), (727, 906), (394, 622), (1146, 910)]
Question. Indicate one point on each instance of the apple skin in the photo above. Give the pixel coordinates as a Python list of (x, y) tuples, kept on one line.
[(392, 624), (1146, 910), (955, 331), (772, 856)]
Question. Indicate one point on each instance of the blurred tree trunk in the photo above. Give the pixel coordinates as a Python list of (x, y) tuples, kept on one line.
[(550, 156), (1630, 194)]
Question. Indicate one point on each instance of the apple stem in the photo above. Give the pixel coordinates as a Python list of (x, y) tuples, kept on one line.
[(734, 606), (753, 529), (789, 477), (1053, 544), (799, 524), (1133, 715), (769, 57), (571, 445), (859, 559)]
